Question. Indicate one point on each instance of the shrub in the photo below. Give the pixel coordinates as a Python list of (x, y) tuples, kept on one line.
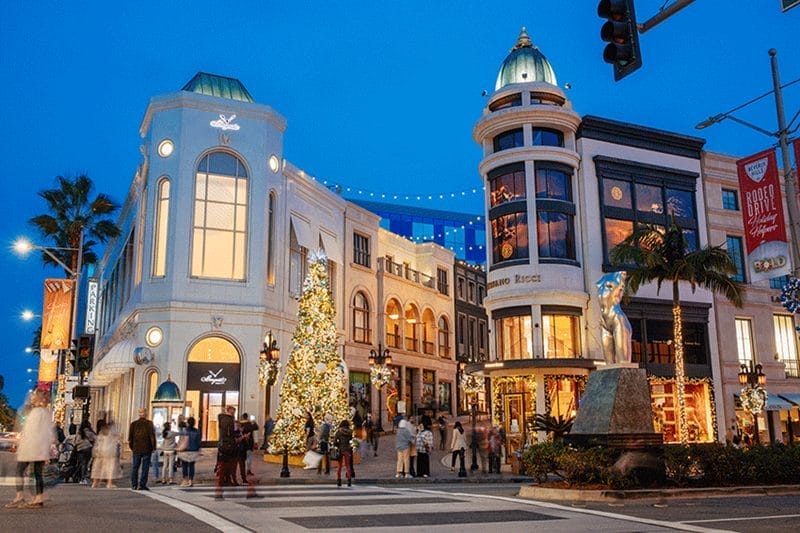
[(540, 460), (585, 466)]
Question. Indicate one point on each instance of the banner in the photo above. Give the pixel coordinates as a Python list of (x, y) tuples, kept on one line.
[(56, 325), (762, 213)]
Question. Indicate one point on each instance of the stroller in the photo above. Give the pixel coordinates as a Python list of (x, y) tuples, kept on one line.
[(68, 462)]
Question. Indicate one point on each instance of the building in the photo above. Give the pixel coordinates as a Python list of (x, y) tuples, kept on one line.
[(217, 227), (766, 333), (561, 191)]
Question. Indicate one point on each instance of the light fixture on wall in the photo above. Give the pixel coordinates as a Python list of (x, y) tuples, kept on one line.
[(165, 148)]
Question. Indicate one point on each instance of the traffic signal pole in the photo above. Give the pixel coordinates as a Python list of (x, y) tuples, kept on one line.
[(663, 15)]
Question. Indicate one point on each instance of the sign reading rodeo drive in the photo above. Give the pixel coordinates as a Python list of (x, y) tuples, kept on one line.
[(213, 376), (762, 213)]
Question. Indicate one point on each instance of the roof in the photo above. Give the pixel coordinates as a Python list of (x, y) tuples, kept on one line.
[(524, 64), (219, 86)]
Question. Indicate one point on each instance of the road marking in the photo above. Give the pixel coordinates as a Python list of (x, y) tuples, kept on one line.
[(548, 505), (734, 519), (199, 513)]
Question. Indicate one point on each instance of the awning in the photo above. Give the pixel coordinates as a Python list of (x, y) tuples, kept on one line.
[(302, 231), (791, 397), (117, 361), (332, 249), (776, 403)]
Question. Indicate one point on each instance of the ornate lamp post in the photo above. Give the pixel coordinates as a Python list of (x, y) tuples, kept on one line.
[(380, 374), (754, 395), (472, 385), (268, 365)]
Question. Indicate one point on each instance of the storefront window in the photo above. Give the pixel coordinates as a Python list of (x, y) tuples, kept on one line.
[(359, 398), (445, 396), (514, 337), (561, 336), (212, 382), (664, 398)]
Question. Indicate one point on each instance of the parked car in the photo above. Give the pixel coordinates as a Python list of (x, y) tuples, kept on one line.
[(8, 441)]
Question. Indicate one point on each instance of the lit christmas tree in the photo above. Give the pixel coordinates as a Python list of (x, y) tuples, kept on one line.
[(316, 379)]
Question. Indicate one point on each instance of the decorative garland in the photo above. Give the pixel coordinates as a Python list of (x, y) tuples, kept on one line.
[(380, 375), (268, 372), (551, 380), (790, 295), (753, 399), (498, 389)]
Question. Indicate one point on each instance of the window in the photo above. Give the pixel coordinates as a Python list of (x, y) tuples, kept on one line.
[(561, 335), (471, 292), (361, 331), (547, 137), (219, 232), (513, 336), (271, 239), (645, 194), (786, 344), (508, 139), (555, 212), (441, 281), (507, 184), (736, 251), (730, 200), (744, 340), (161, 225), (298, 263), (779, 282), (509, 237), (444, 337), (411, 329), (361, 254), (392, 325), (460, 287), (507, 101)]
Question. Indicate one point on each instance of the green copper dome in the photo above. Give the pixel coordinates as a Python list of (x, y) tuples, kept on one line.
[(525, 63), (167, 392), (219, 86)]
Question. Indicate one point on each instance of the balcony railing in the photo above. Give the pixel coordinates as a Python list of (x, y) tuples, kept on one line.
[(404, 271)]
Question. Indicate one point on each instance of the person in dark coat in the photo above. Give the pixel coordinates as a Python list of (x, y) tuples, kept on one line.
[(228, 449), (142, 442), (342, 439)]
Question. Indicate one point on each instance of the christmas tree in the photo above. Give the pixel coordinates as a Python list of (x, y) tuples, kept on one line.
[(316, 379)]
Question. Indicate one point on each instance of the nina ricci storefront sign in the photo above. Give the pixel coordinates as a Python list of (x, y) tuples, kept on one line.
[(514, 280)]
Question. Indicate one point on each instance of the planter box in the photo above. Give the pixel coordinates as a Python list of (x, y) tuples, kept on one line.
[(294, 460)]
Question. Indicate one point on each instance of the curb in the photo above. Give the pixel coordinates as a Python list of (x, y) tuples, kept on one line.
[(536, 492)]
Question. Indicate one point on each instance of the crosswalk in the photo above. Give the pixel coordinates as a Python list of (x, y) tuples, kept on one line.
[(288, 508)]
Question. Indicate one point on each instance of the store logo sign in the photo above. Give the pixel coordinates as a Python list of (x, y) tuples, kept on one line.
[(225, 123), (214, 378)]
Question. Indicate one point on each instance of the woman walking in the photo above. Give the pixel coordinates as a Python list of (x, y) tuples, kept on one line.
[(341, 439), (168, 449), (190, 452), (105, 456), (33, 449), (457, 445)]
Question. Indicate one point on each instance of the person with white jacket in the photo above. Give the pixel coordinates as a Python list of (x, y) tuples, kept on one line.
[(458, 444), (37, 438)]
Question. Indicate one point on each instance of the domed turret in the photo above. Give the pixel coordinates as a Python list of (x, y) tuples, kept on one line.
[(525, 64)]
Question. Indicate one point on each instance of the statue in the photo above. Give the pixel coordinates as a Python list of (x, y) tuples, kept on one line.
[(616, 330)]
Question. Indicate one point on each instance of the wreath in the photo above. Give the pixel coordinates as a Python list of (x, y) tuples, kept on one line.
[(380, 375), (753, 399), (790, 295)]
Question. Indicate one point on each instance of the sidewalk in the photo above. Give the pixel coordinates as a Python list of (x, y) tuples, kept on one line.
[(373, 469)]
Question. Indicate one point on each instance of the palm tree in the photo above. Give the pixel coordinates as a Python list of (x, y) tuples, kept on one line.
[(73, 217), (652, 253)]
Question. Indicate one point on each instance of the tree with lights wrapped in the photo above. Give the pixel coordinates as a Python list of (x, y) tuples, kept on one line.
[(315, 380)]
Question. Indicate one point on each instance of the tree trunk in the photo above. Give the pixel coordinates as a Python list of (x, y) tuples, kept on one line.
[(680, 373)]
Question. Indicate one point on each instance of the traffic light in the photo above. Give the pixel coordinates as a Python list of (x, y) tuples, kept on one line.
[(621, 33), (85, 352)]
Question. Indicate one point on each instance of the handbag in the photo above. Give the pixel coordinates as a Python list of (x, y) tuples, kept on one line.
[(334, 453), (183, 443)]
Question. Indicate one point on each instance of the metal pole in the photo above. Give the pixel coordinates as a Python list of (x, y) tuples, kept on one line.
[(474, 409), (790, 181), (663, 15)]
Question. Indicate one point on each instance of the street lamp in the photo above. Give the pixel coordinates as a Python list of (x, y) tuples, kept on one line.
[(268, 365), (754, 396), (783, 140), (23, 246), (380, 374)]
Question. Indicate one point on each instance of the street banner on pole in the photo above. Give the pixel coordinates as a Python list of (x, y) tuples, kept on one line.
[(56, 325), (762, 213)]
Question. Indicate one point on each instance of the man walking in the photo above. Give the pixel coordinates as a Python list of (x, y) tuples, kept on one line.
[(227, 449), (142, 442)]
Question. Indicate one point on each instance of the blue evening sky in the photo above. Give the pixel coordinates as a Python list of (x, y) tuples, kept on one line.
[(379, 96)]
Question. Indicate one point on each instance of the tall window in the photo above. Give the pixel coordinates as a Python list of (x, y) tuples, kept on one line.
[(161, 225), (219, 233), (507, 184), (444, 337), (271, 239), (730, 200), (508, 139), (736, 251), (361, 331), (441, 281), (555, 212), (513, 337), (637, 194), (786, 344), (744, 339), (361, 255), (561, 335), (298, 263), (507, 213), (547, 137)]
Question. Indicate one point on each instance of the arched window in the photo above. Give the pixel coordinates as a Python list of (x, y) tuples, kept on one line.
[(298, 263), (444, 337), (271, 239), (555, 212), (219, 233), (160, 229), (392, 324), (428, 340), (411, 328), (361, 331)]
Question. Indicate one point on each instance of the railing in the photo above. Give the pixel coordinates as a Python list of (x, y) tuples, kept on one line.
[(427, 347), (404, 271), (392, 340), (411, 344)]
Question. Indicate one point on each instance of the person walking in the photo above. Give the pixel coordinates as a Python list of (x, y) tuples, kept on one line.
[(37, 436), (402, 445), (227, 449), (442, 423), (105, 456), (85, 442), (269, 426), (308, 430), (493, 448), (458, 443), (248, 429), (371, 433), (424, 445), (168, 445), (342, 440), (412, 449), (325, 444), (190, 453), (142, 442)]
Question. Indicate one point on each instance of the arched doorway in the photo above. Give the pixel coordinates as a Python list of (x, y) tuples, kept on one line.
[(212, 383)]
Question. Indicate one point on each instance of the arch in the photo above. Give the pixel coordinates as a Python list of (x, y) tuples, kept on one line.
[(361, 318), (443, 335), (392, 322), (161, 227), (213, 349), (411, 329), (428, 328)]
